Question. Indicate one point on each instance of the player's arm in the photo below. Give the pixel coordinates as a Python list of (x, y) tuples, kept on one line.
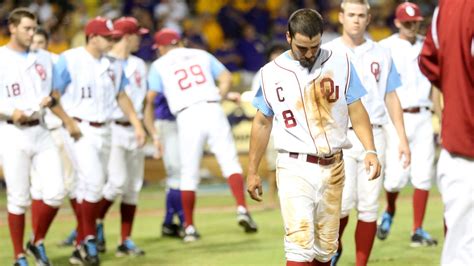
[(428, 59), (149, 122), (61, 79), (126, 105), (223, 78), (259, 136), (361, 123), (395, 111)]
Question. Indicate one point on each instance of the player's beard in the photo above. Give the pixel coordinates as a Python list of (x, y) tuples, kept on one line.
[(307, 62)]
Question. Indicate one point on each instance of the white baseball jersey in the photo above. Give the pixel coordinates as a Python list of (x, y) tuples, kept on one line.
[(189, 76), (309, 108), (376, 71), (134, 69), (16, 92), (416, 88), (90, 85)]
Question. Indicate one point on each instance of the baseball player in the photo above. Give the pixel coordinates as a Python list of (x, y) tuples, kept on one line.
[(26, 143), (166, 125), (93, 85), (306, 97), (379, 76), (414, 95), (127, 159), (186, 78), (447, 60)]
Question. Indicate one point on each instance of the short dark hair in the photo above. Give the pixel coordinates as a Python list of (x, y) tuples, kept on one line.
[(276, 46), (43, 32), (305, 21), (17, 14)]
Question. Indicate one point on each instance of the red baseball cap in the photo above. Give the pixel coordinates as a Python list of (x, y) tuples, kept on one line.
[(102, 27), (408, 12), (129, 25), (166, 36)]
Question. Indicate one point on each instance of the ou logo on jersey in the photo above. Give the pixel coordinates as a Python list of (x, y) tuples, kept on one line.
[(375, 69), (138, 78), (41, 72)]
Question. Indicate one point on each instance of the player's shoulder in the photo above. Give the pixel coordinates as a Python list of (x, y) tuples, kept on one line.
[(74, 52), (390, 40)]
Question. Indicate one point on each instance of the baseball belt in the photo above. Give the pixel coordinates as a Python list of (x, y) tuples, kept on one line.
[(30, 123), (123, 123), (317, 159), (416, 109), (92, 124), (373, 126)]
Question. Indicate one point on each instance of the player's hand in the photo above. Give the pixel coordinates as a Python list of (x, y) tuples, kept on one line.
[(140, 136), (254, 187), (19, 116), (233, 97), (158, 148), (404, 154), (73, 129), (372, 166), (46, 102)]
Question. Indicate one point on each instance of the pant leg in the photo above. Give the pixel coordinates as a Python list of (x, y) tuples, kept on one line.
[(170, 140), (135, 175)]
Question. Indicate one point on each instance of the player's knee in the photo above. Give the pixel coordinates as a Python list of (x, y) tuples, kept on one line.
[(367, 216), (130, 198), (17, 208)]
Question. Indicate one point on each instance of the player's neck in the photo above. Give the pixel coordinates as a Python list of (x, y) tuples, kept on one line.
[(93, 51), (411, 40), (352, 41), (15, 46), (119, 52)]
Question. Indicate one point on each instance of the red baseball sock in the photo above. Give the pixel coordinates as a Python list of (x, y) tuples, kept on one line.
[(35, 205), (420, 198), (80, 227), (236, 184), (316, 262), (74, 206), (90, 212), (16, 223), (127, 213), (188, 199), (342, 226), (297, 263), (104, 206), (364, 238), (46, 216), (391, 199)]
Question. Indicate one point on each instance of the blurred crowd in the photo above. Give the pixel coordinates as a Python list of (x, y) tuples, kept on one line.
[(237, 32)]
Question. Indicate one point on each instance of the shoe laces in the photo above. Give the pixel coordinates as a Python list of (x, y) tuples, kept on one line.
[(100, 231), (129, 244), (42, 252), (386, 220), (190, 230), (22, 261), (91, 248)]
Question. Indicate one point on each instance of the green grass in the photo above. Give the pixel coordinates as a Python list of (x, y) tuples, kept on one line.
[(223, 242)]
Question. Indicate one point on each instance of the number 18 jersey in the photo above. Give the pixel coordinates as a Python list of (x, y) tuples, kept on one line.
[(309, 108), (186, 76)]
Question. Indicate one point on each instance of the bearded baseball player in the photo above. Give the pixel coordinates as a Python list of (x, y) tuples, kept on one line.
[(27, 144), (380, 77), (127, 159), (306, 97), (414, 95), (447, 60), (93, 85), (186, 78)]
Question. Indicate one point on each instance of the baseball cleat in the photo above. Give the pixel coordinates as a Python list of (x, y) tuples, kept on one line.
[(39, 253), (128, 248), (21, 261), (100, 237), (91, 257), (336, 258), (190, 234), (77, 257), (246, 221), (170, 230), (422, 238), (383, 229), (70, 240)]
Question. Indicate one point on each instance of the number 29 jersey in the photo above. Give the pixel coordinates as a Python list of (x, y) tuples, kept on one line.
[(185, 76), (309, 108)]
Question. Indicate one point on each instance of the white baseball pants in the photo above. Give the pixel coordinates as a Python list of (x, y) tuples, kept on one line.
[(359, 192), (168, 131), (456, 184), (310, 200)]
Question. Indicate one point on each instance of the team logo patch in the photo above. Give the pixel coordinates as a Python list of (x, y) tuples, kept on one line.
[(109, 24), (375, 69), (111, 75), (410, 11), (41, 71)]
